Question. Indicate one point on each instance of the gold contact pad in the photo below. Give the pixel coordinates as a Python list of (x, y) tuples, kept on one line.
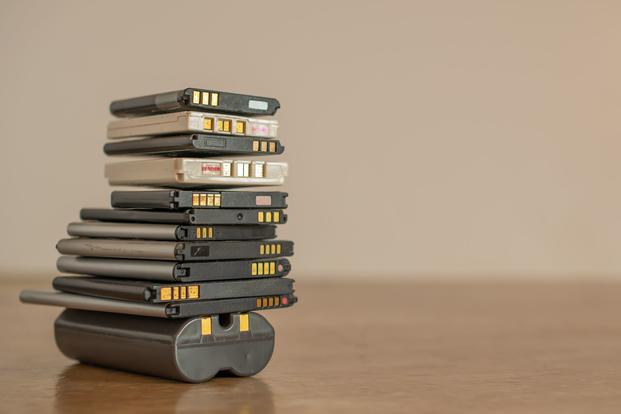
[(205, 98), (193, 292), (244, 322), (196, 97), (223, 125), (205, 326), (165, 294)]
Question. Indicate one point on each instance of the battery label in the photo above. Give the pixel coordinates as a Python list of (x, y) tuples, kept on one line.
[(263, 200), (260, 105), (211, 168)]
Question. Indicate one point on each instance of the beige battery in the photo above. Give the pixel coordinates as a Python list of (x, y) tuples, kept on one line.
[(184, 122), (196, 173)]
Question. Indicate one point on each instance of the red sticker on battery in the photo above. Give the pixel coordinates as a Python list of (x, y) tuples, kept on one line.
[(263, 200)]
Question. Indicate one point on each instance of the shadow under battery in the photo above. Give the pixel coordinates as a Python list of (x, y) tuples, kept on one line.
[(80, 387)]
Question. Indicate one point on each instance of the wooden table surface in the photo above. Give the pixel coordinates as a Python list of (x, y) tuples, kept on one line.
[(370, 347)]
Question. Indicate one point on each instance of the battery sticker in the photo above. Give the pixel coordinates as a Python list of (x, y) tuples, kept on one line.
[(264, 200), (260, 105), (195, 123), (211, 168)]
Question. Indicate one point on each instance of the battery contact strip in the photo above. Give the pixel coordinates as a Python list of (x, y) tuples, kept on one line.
[(264, 268), (203, 98), (191, 292), (206, 200), (268, 216), (270, 249), (263, 146), (204, 232), (271, 302)]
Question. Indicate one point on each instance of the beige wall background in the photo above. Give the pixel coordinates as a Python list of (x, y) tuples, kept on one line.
[(425, 138)]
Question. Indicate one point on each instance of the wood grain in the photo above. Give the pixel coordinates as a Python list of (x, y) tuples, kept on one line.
[(370, 347)]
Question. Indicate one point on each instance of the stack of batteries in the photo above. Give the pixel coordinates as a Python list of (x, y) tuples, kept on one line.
[(173, 275)]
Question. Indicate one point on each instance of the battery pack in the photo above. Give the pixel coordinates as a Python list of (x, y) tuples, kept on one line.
[(196, 173), (175, 251), (174, 271), (193, 350), (190, 216), (195, 145), (172, 310), (149, 231), (179, 199), (190, 122), (153, 292), (195, 99)]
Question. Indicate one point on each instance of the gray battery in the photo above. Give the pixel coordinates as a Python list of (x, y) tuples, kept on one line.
[(189, 350)]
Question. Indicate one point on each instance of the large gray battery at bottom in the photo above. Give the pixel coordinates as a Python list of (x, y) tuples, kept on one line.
[(190, 350)]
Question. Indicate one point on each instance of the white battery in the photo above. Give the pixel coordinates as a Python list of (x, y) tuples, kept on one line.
[(192, 122), (196, 173)]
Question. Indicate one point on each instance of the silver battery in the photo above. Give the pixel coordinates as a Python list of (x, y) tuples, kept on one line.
[(138, 249), (196, 173), (121, 268), (183, 122), (72, 301), (123, 230)]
